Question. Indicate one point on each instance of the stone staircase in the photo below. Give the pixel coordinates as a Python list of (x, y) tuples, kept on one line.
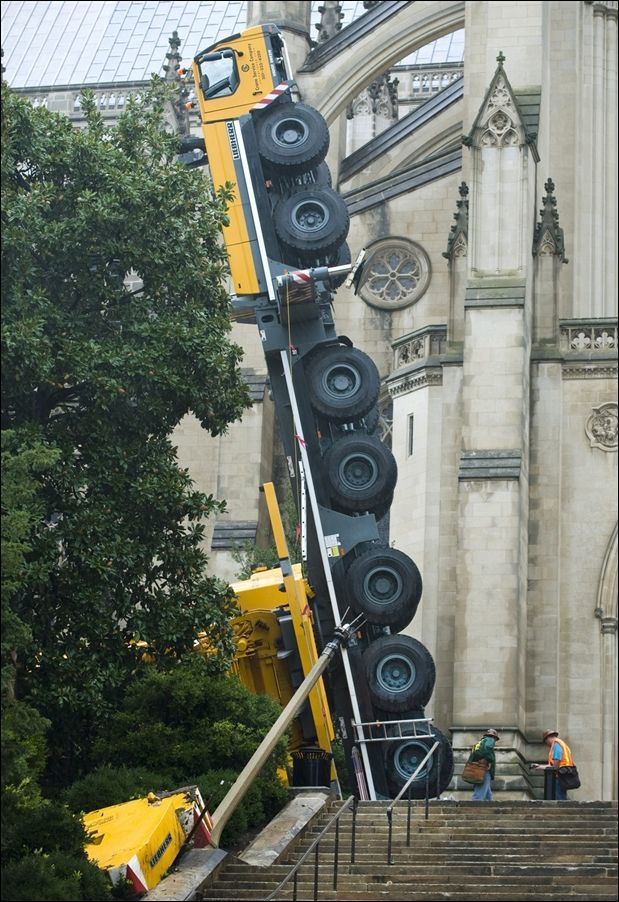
[(465, 850)]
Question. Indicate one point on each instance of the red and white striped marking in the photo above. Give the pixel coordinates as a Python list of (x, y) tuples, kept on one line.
[(269, 98), (302, 276)]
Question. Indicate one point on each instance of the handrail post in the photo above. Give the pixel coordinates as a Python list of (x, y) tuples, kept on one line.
[(294, 886), (353, 841), (408, 819), (390, 819), (337, 852), (316, 872), (427, 794), (438, 773)]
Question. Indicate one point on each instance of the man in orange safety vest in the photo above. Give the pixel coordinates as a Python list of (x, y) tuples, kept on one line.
[(559, 755)]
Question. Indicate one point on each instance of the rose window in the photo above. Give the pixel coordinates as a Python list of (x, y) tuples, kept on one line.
[(395, 275)]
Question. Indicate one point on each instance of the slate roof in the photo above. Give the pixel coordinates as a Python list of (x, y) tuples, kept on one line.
[(53, 43), (256, 383), (233, 533)]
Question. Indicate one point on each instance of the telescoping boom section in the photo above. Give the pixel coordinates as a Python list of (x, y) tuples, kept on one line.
[(287, 249)]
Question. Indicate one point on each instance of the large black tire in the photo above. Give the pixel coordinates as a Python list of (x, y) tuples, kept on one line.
[(343, 383), (400, 673), (385, 585), (312, 222), (339, 258), (404, 756), (292, 138), (371, 420), (361, 473), (322, 175)]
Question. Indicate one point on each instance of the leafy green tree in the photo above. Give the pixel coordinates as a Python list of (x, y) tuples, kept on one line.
[(96, 376), (42, 842)]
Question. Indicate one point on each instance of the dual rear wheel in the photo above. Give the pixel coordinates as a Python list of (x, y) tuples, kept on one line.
[(312, 221)]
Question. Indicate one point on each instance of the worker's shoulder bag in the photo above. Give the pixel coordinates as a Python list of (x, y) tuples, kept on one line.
[(475, 771), (568, 777)]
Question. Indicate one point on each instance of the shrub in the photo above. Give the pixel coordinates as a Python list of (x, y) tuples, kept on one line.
[(57, 877), (109, 785)]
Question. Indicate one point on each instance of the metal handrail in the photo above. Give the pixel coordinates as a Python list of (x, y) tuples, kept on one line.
[(351, 800), (407, 786)]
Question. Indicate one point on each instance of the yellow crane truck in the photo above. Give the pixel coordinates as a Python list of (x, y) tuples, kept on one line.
[(286, 243)]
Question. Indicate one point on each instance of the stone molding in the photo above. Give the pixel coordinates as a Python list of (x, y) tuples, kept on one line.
[(603, 8), (588, 371), (601, 427), (608, 625), (499, 293), (606, 602), (495, 464), (412, 381)]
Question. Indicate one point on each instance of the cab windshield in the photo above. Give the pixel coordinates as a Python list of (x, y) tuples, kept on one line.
[(219, 75)]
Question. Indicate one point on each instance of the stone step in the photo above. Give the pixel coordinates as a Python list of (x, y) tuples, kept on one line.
[(527, 808), (432, 875), (483, 815), (475, 835), (465, 850), (418, 817), (474, 839), (466, 817), (278, 872), (496, 894), (305, 887), (499, 844), (468, 825)]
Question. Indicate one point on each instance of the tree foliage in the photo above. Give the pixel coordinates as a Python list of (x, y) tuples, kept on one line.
[(182, 727), (105, 531)]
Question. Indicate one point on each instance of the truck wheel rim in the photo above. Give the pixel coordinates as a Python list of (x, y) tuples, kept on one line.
[(382, 586), (408, 757), (341, 381), (395, 673), (290, 133), (358, 471), (310, 216)]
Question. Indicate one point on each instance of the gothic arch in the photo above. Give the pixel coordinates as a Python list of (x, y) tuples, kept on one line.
[(606, 612), (332, 87)]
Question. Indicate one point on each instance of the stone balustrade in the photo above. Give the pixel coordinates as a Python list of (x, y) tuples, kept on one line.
[(596, 336), (418, 83), (110, 99), (430, 341)]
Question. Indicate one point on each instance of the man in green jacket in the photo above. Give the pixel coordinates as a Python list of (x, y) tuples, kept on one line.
[(484, 751)]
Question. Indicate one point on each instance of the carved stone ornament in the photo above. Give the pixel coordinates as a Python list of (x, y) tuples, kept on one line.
[(548, 239), (457, 243), (498, 123), (396, 274), (380, 98), (601, 427)]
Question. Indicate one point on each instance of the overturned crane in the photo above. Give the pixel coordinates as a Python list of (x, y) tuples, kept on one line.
[(286, 243)]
